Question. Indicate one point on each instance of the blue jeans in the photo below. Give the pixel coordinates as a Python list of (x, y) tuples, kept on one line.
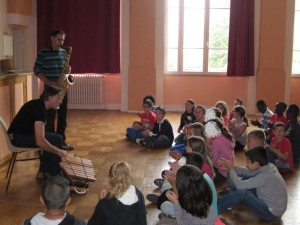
[(179, 148), (248, 198), (180, 139), (133, 134)]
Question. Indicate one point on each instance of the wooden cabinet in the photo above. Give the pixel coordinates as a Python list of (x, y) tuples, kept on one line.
[(13, 94)]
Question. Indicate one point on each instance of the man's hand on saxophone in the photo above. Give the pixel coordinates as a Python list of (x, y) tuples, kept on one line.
[(67, 69)]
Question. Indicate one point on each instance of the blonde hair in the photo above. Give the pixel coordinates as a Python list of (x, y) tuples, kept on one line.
[(119, 179)]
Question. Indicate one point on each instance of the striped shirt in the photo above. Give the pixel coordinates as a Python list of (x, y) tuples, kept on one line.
[(50, 62)]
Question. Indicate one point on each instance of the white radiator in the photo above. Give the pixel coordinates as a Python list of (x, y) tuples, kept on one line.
[(87, 89)]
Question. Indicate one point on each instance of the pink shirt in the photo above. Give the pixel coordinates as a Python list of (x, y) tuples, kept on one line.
[(222, 148), (284, 146)]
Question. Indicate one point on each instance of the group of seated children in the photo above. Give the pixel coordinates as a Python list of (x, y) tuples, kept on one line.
[(216, 143), (122, 204)]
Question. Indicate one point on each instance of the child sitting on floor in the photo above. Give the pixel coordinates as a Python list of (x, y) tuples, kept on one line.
[(186, 118), (123, 203), (198, 144), (265, 112), (221, 142), (237, 102), (162, 134), (55, 196), (237, 127), (193, 129), (147, 122), (192, 198), (293, 131), (224, 110), (259, 186), (190, 158), (278, 116), (280, 150)]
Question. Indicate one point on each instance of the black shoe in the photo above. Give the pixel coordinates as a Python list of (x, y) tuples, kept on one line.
[(159, 182), (162, 215), (223, 192), (153, 198), (67, 147)]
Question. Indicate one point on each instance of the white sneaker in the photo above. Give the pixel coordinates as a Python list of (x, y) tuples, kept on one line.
[(138, 140)]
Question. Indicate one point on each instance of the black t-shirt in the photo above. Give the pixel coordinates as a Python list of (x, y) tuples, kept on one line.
[(31, 111)]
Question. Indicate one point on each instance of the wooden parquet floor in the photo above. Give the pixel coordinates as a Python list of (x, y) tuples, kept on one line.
[(100, 136)]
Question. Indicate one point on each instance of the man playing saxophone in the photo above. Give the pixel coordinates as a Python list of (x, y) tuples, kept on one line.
[(48, 68)]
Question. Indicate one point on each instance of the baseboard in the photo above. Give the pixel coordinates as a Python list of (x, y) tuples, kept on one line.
[(94, 106)]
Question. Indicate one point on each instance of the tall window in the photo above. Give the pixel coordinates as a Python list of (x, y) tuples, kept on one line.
[(197, 36), (296, 44)]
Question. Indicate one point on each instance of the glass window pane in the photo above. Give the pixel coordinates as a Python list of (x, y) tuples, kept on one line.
[(296, 62), (217, 4), (193, 31), (193, 60), (297, 31), (194, 4), (172, 60), (297, 4), (173, 3), (173, 26), (219, 28), (217, 60)]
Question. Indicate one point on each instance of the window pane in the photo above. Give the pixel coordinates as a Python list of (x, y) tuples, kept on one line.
[(297, 31), (217, 4), (193, 31), (217, 60), (219, 28), (173, 26), (297, 5), (296, 62), (194, 4), (173, 3), (193, 60), (172, 60)]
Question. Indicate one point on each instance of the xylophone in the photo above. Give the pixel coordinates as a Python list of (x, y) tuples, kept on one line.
[(79, 171)]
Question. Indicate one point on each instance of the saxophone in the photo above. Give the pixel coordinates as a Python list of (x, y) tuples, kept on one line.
[(65, 79)]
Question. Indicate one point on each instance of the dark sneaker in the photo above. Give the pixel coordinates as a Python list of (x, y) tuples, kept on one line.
[(162, 215), (67, 147), (159, 182), (223, 192), (153, 198)]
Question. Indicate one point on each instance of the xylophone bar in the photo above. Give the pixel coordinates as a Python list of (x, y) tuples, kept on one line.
[(78, 161), (78, 168)]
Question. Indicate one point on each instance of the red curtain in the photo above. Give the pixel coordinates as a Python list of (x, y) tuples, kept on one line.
[(241, 38), (92, 29)]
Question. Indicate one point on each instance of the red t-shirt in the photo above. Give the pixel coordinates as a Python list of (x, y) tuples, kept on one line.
[(206, 168), (148, 119), (275, 118), (285, 146)]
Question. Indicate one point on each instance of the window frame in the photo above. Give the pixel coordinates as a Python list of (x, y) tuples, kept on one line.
[(293, 28), (180, 44)]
